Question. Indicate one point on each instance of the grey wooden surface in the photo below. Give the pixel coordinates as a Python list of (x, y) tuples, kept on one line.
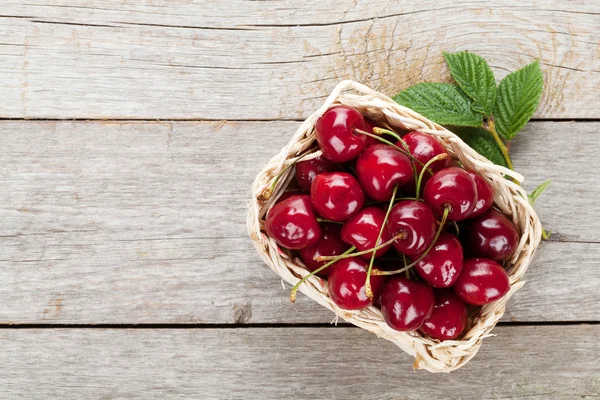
[(106, 223)]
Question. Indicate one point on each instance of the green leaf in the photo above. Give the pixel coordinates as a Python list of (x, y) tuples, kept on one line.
[(443, 103), (538, 191), (482, 142), (517, 98), (475, 78)]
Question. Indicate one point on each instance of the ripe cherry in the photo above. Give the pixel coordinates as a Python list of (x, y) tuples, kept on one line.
[(363, 229), (416, 221), (442, 265), (448, 319), (381, 167), (424, 147), (346, 284), (453, 188), (293, 223), (335, 133), (306, 171), (493, 236), (336, 195), (481, 282), (485, 195), (406, 304), (330, 244)]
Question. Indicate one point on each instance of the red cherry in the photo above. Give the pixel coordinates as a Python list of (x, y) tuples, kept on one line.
[(448, 319), (306, 171), (454, 188), (442, 265), (481, 282), (369, 129), (293, 223), (493, 236), (346, 284), (485, 195), (381, 167), (330, 245), (335, 133), (363, 229), (424, 147), (336, 195), (416, 220), (406, 304)]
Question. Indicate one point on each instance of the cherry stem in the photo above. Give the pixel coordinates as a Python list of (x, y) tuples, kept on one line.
[(427, 165), (401, 235), (316, 271), (368, 290), (269, 191), (422, 256), (405, 263), (380, 131), (319, 219), (456, 227)]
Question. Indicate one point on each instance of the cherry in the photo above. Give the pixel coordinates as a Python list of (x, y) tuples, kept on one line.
[(448, 319), (485, 195), (416, 221), (369, 129), (293, 223), (493, 236), (406, 304), (346, 284), (307, 170), (330, 245), (335, 133), (451, 188), (481, 282), (363, 229), (381, 167), (442, 265), (424, 147), (336, 195)]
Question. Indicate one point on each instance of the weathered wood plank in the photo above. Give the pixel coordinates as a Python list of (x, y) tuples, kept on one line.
[(275, 60), (144, 223), (548, 362)]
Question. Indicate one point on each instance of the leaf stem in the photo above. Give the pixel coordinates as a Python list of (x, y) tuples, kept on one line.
[(491, 128)]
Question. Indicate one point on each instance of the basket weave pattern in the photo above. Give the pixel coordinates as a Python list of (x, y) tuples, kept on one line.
[(509, 197)]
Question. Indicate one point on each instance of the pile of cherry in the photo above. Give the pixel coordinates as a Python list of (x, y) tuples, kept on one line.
[(356, 217)]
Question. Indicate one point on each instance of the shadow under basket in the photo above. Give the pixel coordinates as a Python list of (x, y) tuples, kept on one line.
[(429, 354)]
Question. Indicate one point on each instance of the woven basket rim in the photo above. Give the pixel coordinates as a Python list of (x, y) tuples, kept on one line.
[(511, 198)]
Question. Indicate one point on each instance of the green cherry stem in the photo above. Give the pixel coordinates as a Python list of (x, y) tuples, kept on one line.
[(381, 131), (316, 271), (422, 256), (401, 235), (266, 195), (368, 290), (427, 165), (319, 219)]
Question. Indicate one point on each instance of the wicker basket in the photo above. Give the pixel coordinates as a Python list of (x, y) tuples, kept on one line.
[(429, 354)]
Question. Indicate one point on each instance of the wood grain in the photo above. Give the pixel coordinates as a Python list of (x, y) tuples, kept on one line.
[(275, 60), (106, 222), (537, 363)]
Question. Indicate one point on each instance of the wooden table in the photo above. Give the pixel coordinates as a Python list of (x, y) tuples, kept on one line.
[(131, 132)]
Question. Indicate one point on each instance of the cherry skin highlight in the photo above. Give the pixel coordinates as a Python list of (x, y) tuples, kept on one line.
[(330, 244), (406, 304), (493, 236), (363, 229), (416, 221), (293, 223), (424, 147), (346, 284), (336, 133), (481, 282), (381, 167), (306, 171), (485, 195), (442, 265), (454, 188), (448, 319), (336, 195)]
